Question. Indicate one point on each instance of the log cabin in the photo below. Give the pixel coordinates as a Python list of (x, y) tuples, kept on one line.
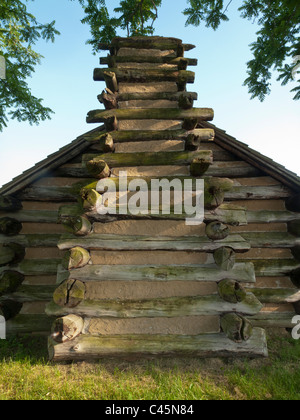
[(104, 284)]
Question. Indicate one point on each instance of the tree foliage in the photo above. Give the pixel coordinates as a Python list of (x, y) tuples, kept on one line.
[(19, 31), (277, 46)]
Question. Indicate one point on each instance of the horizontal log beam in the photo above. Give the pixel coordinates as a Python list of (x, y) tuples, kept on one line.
[(226, 213), (274, 268), (155, 96), (143, 76), (28, 324), (275, 295), (243, 272), (139, 135), (119, 59), (206, 345), (257, 193), (9, 203), (32, 240), (271, 239), (138, 243), (153, 42), (156, 308), (101, 116), (270, 216), (115, 160)]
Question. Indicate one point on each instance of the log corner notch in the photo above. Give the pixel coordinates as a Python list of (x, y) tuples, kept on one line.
[(10, 203)]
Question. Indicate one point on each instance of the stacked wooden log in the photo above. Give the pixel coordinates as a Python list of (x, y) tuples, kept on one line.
[(148, 283)]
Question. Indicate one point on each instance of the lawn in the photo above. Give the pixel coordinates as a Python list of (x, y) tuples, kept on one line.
[(26, 374)]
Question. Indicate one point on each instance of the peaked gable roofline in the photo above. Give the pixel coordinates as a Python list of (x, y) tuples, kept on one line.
[(260, 161), (227, 142), (52, 162)]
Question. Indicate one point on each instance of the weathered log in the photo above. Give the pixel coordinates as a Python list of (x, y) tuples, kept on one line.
[(270, 216), (32, 240), (225, 258), (293, 203), (153, 42), (189, 123), (231, 291), (224, 184), (138, 135), (90, 198), (9, 226), (141, 76), (96, 166), (217, 231), (199, 166), (106, 143), (9, 203), (274, 268), (138, 243), (275, 295), (226, 213), (201, 272), (182, 63), (275, 192), (271, 240), (32, 293), (10, 308), (78, 225), (76, 257), (205, 345), (192, 142), (108, 99), (155, 308), (7, 255), (294, 227), (213, 197), (236, 327), (185, 101), (110, 79), (98, 116), (10, 281), (111, 123), (113, 61), (37, 267), (29, 324), (153, 96), (69, 294), (11, 253), (66, 328), (99, 164)]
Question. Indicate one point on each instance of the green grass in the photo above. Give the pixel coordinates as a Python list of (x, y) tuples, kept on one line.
[(26, 374)]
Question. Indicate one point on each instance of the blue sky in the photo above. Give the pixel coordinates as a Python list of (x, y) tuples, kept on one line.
[(65, 81)]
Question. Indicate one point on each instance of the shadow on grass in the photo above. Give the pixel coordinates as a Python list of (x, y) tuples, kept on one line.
[(33, 349)]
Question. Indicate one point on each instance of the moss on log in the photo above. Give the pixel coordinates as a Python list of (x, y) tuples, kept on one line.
[(199, 166), (199, 114), (10, 226), (69, 294), (76, 257), (99, 164), (236, 327), (231, 291), (78, 225), (141, 76), (96, 166), (11, 253), (9, 203), (242, 272), (10, 281), (155, 308), (225, 257), (206, 345), (217, 231), (66, 328), (165, 243)]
